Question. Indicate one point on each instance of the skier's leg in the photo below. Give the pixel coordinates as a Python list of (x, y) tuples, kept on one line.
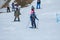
[(15, 19), (12, 8), (37, 6), (7, 10), (18, 18), (34, 24)]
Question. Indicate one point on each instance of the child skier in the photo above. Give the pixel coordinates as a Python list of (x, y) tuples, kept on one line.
[(16, 14), (33, 17), (38, 4)]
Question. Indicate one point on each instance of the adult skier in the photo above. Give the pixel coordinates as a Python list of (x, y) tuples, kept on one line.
[(38, 4), (13, 6), (8, 9), (33, 18)]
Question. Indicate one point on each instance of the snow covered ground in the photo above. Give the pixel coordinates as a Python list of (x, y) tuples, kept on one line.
[(48, 27)]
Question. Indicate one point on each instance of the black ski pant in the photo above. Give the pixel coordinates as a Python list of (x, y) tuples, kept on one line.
[(33, 24), (16, 18), (8, 10)]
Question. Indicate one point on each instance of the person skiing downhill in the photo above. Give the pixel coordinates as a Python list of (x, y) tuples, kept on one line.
[(38, 4), (33, 17)]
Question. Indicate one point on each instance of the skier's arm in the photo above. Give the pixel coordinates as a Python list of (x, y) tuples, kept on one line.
[(36, 17)]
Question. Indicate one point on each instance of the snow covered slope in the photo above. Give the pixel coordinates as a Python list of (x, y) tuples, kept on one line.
[(48, 28)]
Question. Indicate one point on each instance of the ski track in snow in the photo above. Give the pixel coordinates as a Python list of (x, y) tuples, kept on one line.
[(47, 27)]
